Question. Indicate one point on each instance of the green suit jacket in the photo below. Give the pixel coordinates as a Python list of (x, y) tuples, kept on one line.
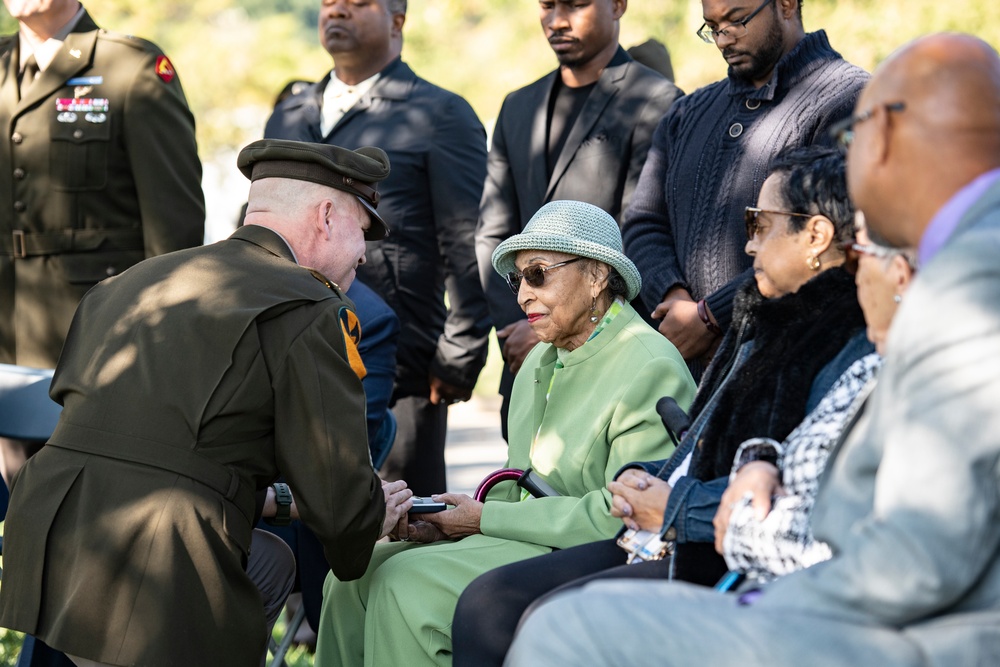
[(188, 382), (100, 170), (600, 413), (578, 425)]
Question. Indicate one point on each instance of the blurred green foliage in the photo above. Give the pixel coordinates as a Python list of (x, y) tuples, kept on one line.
[(10, 647), (233, 56)]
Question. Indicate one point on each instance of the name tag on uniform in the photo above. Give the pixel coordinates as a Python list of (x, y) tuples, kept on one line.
[(86, 81)]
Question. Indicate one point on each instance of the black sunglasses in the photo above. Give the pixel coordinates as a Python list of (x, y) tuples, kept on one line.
[(534, 275)]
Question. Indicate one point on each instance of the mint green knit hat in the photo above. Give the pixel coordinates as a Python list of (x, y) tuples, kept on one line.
[(575, 228)]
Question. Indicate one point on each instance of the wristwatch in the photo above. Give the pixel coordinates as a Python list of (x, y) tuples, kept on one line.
[(703, 316), (757, 449), (283, 499)]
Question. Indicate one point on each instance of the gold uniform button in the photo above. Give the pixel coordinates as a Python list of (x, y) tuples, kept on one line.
[(20, 206), (19, 174), (78, 134), (16, 138)]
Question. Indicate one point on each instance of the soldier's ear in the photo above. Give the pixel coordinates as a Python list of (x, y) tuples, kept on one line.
[(322, 219)]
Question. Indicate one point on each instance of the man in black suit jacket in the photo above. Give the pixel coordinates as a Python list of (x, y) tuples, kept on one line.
[(580, 132), (430, 200)]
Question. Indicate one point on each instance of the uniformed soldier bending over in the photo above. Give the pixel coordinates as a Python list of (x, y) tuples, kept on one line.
[(188, 383)]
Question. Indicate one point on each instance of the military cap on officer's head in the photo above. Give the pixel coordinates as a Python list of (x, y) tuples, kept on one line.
[(357, 172)]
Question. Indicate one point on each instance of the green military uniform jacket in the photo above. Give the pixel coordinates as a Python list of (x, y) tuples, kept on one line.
[(188, 382), (100, 170), (576, 425)]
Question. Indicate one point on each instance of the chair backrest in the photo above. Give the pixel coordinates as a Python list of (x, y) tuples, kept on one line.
[(26, 411)]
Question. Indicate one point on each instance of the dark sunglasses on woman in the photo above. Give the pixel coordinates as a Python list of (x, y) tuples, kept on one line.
[(534, 275)]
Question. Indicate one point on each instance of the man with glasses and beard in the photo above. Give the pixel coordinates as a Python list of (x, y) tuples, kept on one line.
[(683, 227)]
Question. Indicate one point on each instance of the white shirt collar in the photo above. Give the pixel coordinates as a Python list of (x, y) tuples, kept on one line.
[(339, 98), (46, 51)]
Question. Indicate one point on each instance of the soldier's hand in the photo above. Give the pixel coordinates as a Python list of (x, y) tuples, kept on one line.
[(398, 501), (270, 509)]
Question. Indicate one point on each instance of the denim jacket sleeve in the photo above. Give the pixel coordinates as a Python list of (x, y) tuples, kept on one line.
[(691, 508), (662, 468), (692, 503), (652, 467)]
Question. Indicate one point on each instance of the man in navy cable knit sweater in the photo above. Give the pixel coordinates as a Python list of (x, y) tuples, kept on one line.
[(684, 226)]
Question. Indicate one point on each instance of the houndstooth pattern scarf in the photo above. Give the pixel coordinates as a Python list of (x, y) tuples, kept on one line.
[(783, 542)]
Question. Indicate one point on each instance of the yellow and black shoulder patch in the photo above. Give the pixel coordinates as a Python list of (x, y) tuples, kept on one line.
[(351, 326)]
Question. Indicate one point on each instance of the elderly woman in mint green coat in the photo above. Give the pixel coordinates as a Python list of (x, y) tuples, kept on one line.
[(583, 405)]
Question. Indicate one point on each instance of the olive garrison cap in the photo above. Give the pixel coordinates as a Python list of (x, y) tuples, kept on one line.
[(356, 172)]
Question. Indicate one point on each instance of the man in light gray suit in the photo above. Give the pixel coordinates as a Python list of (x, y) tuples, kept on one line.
[(910, 501)]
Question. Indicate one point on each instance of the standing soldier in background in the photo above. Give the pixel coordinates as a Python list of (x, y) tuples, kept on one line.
[(100, 170), (437, 147)]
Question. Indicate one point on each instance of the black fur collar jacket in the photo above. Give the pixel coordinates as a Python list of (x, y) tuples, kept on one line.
[(791, 339)]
